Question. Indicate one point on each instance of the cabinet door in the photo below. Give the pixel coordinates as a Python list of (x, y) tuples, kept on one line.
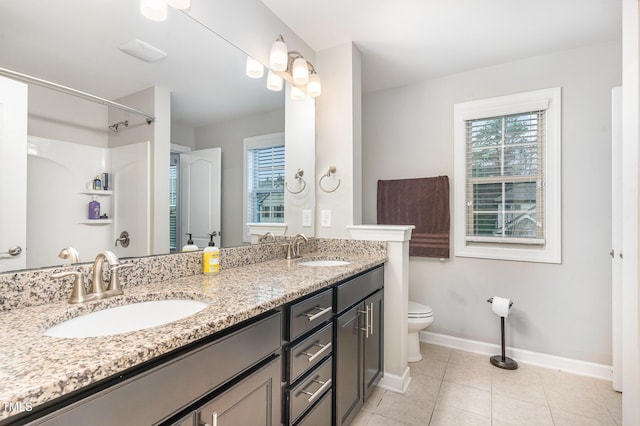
[(373, 342), (255, 401), (348, 380)]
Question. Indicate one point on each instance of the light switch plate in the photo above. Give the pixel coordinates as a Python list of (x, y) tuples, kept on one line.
[(325, 218), (306, 218)]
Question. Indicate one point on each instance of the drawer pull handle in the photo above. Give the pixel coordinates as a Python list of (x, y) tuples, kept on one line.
[(313, 357), (368, 321), (319, 392), (313, 317), (214, 420)]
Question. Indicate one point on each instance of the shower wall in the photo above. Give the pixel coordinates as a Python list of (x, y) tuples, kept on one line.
[(57, 200)]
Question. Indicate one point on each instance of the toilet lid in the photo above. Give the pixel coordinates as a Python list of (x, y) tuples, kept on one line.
[(417, 310)]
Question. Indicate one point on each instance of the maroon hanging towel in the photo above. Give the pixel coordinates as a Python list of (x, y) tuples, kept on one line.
[(422, 202)]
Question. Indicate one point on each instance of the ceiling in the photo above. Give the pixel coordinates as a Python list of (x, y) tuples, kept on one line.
[(75, 43), (406, 41)]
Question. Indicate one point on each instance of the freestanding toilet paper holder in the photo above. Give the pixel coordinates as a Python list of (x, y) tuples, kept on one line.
[(502, 361)]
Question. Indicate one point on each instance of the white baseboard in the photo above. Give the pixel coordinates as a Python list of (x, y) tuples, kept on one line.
[(395, 383), (569, 365)]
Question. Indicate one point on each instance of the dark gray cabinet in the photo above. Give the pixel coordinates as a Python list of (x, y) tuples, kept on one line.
[(255, 401), (309, 359), (358, 343)]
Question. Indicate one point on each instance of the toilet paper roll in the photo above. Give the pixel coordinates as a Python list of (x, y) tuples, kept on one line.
[(500, 306)]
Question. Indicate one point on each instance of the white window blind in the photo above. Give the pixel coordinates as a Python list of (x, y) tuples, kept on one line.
[(504, 178), (265, 184), (173, 205)]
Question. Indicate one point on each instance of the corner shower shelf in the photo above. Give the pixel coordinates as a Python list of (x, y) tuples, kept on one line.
[(96, 221), (96, 192)]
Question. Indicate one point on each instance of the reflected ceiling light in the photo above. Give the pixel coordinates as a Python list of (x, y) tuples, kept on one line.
[(254, 69), (297, 94), (156, 10), (279, 57), (179, 4), (300, 71), (274, 81), (314, 87)]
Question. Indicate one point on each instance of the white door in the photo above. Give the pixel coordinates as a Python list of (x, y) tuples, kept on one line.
[(200, 187), (616, 235), (131, 184), (13, 174)]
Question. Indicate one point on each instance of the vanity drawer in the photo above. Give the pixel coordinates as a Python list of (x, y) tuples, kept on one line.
[(356, 289), (309, 390), (309, 313), (307, 353), (321, 414)]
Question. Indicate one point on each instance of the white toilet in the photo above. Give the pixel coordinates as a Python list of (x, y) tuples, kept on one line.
[(420, 317)]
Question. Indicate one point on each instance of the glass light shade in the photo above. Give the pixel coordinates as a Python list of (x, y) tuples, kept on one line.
[(274, 81), (156, 10), (254, 69), (300, 71), (279, 57), (314, 87), (297, 94), (180, 4)]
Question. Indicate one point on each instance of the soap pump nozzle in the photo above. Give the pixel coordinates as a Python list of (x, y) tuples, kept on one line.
[(211, 242)]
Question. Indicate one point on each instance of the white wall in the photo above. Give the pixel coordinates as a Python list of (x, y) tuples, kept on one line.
[(229, 136), (183, 134), (565, 309), (59, 116), (338, 138)]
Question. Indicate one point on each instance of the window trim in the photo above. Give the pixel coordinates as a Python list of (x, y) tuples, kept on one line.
[(549, 100), (262, 141)]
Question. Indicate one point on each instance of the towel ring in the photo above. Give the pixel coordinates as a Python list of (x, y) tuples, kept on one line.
[(332, 169), (298, 176)]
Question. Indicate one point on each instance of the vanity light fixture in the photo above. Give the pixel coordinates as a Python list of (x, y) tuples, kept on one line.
[(279, 56), (254, 69), (300, 71), (314, 87), (306, 80), (156, 10), (274, 81)]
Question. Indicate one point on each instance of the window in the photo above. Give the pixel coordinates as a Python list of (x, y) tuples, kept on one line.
[(507, 177), (173, 202), (264, 180)]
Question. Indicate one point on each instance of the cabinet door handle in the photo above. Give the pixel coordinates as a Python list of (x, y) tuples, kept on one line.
[(366, 328), (313, 357), (371, 318), (316, 394), (313, 317), (214, 420)]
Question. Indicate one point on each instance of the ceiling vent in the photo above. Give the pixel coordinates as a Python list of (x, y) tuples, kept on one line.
[(143, 51)]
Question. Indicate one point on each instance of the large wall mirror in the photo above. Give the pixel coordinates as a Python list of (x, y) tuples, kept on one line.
[(212, 103)]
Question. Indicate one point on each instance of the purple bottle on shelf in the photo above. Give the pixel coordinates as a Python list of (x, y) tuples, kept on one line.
[(94, 209)]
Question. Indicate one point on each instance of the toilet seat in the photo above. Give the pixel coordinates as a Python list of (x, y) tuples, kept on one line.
[(417, 310)]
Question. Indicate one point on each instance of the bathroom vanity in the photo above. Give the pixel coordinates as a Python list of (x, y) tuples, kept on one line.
[(293, 346)]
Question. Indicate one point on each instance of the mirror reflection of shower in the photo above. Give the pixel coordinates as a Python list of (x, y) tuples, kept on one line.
[(115, 127)]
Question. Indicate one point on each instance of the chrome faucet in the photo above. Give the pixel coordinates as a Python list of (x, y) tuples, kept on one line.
[(293, 248)]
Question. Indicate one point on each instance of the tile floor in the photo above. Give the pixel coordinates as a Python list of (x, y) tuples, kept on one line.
[(453, 387)]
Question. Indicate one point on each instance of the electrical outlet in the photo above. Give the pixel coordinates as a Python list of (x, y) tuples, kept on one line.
[(325, 218), (306, 218)]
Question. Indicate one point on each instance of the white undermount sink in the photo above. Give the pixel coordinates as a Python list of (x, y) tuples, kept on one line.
[(325, 262), (126, 318)]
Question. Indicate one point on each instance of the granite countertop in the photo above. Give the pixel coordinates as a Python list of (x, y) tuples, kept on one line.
[(36, 369)]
